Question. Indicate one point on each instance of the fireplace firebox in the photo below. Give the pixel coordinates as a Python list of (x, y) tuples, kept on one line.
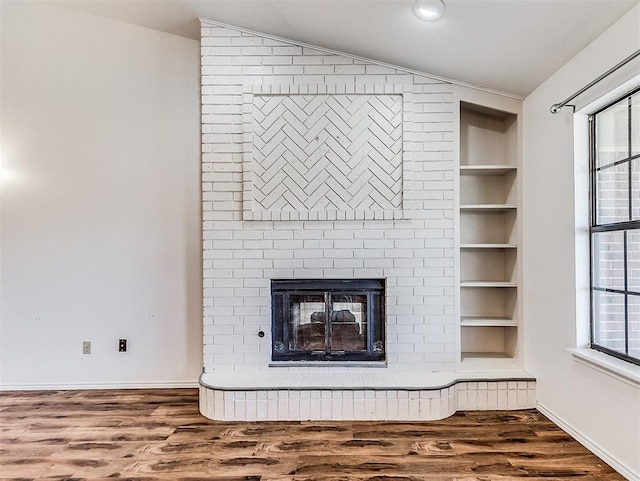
[(328, 320)]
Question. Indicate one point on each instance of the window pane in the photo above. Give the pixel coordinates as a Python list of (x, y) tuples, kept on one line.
[(609, 325), (635, 124), (349, 323), (608, 259), (633, 260), (612, 194), (308, 323), (634, 326), (612, 134)]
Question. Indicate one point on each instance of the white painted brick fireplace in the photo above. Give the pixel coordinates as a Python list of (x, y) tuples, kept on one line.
[(269, 213)]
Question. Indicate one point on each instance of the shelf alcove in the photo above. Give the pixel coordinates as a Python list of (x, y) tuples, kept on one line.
[(489, 237)]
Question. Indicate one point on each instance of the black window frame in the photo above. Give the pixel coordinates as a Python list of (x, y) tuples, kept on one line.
[(623, 226)]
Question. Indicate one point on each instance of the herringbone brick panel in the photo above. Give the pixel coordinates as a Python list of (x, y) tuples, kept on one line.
[(327, 152)]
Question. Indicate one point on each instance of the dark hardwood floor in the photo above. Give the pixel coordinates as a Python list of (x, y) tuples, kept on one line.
[(159, 435)]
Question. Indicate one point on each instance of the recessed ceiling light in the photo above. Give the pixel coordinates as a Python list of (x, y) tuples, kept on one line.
[(429, 9)]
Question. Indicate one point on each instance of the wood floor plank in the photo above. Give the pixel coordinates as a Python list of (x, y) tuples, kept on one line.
[(146, 435)]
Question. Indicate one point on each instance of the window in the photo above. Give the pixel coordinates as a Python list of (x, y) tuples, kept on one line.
[(615, 228)]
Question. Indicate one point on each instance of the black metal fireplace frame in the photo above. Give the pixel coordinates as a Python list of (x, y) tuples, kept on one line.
[(282, 289)]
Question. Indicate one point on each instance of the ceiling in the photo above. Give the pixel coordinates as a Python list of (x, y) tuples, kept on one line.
[(506, 45)]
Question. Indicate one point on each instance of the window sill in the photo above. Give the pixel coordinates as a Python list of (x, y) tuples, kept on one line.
[(616, 368)]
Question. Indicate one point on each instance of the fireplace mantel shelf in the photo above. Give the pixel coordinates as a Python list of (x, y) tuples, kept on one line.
[(356, 381)]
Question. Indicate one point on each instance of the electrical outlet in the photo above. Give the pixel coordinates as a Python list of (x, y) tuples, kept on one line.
[(86, 347), (122, 345)]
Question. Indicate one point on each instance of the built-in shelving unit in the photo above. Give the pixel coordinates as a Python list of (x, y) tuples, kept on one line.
[(489, 262)]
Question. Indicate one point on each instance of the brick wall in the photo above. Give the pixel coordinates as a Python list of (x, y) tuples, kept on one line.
[(412, 251)]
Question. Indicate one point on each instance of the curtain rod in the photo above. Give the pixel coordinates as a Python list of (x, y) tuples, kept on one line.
[(555, 108)]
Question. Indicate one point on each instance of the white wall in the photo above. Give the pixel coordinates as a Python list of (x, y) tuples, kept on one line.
[(602, 411), (100, 214)]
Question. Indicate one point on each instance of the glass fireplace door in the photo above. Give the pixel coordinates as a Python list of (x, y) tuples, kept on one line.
[(308, 323), (328, 324), (348, 323)]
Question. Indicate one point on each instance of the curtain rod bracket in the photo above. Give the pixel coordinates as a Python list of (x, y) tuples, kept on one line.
[(555, 108)]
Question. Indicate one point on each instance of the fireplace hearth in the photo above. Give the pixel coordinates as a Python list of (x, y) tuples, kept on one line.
[(328, 320)]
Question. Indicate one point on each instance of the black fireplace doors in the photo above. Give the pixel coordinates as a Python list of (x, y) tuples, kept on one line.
[(328, 320)]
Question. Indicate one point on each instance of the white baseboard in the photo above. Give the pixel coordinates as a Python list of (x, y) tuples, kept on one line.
[(100, 385), (591, 445)]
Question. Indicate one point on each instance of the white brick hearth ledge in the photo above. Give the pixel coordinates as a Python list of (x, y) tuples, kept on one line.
[(410, 396)]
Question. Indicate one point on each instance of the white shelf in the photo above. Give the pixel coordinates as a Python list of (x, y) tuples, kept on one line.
[(485, 355), (488, 188), (493, 169), (488, 207), (486, 321), (488, 246), (488, 303), (487, 284), (489, 341), (485, 226), (487, 362), (491, 267)]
